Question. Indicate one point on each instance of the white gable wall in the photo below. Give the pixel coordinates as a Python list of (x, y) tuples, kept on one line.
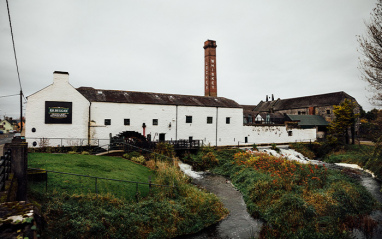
[(61, 91)]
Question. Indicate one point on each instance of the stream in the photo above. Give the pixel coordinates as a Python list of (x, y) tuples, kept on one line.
[(239, 223)]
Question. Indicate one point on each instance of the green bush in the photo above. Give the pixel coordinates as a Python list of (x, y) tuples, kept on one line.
[(204, 159), (140, 159), (72, 152), (85, 153), (163, 152), (131, 155)]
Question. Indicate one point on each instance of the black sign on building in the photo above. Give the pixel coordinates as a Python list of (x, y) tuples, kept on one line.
[(58, 112)]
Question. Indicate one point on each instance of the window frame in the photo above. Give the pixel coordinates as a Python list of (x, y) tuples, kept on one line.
[(126, 121), (107, 122), (155, 122), (210, 120), (188, 119)]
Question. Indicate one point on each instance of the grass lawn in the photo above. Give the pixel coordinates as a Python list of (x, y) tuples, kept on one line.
[(90, 165)]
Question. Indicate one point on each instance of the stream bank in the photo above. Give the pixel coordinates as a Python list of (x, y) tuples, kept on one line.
[(239, 223)]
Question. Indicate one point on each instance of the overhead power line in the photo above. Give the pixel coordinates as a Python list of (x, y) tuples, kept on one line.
[(14, 48), (8, 95), (17, 68)]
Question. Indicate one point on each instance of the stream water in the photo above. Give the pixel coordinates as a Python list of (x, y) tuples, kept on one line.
[(239, 223)]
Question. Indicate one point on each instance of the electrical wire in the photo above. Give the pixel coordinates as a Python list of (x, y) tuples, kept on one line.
[(8, 95), (14, 48)]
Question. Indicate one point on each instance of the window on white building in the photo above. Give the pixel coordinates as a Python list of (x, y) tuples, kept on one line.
[(228, 120), (155, 121), (107, 121), (188, 119), (126, 121), (290, 133), (209, 120)]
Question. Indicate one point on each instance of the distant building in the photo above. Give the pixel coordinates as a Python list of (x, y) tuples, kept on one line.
[(5, 126), (307, 105)]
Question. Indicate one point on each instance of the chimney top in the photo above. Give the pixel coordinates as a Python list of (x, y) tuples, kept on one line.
[(60, 76), (61, 72), (210, 43)]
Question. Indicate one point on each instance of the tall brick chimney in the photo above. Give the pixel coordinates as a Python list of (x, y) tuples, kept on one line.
[(210, 86)]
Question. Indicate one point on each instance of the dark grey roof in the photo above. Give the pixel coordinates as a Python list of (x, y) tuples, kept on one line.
[(133, 97), (304, 102), (248, 107), (309, 120), (276, 115)]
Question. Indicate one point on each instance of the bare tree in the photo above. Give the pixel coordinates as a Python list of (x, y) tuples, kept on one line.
[(371, 49)]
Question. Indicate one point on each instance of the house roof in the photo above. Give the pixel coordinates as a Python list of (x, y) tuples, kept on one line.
[(276, 115), (328, 99), (248, 107), (133, 97), (309, 120)]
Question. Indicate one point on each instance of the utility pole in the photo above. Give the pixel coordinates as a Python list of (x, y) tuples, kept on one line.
[(21, 111)]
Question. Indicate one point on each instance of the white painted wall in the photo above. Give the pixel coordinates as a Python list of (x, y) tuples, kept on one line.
[(167, 114), (227, 134), (276, 134), (137, 113), (60, 90)]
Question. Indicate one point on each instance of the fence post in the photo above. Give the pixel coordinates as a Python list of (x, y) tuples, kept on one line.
[(136, 193), (149, 184), (96, 189), (19, 164)]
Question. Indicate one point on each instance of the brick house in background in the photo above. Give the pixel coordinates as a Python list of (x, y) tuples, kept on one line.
[(307, 105)]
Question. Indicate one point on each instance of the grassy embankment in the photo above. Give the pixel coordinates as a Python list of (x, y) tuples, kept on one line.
[(164, 213), (295, 200)]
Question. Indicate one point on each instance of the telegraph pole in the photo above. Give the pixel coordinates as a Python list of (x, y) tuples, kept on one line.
[(21, 111)]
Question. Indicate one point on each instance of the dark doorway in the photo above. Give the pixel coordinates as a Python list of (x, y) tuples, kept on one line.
[(162, 137)]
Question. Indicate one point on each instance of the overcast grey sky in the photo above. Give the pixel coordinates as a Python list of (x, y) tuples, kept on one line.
[(288, 48)]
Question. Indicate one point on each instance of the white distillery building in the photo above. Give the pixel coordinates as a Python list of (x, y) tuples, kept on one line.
[(66, 116)]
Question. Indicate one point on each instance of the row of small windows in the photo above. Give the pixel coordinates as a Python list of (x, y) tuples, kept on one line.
[(127, 121), (155, 121), (209, 119)]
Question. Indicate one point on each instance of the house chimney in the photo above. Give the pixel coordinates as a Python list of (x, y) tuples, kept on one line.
[(266, 98), (60, 76), (210, 87), (273, 98)]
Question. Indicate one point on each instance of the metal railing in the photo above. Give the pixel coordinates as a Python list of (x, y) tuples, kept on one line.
[(96, 184), (5, 168)]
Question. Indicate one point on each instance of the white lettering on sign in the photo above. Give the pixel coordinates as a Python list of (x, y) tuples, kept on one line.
[(212, 87), (212, 82), (213, 78), (212, 60), (212, 65), (212, 74)]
